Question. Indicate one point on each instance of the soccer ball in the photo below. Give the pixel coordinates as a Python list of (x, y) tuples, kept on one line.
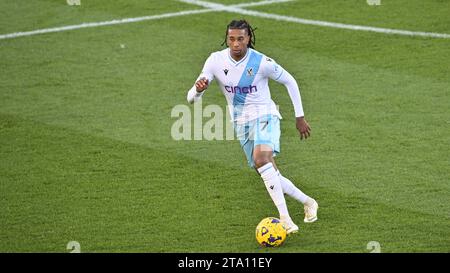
[(270, 232)]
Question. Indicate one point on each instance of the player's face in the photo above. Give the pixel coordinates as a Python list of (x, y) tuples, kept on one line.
[(237, 41)]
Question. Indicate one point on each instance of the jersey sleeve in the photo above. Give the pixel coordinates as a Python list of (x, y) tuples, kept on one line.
[(208, 69), (208, 73), (271, 69), (275, 72)]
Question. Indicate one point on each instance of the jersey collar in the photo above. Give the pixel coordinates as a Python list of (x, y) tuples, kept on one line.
[(240, 61)]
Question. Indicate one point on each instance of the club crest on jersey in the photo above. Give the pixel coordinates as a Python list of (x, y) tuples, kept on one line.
[(250, 71)]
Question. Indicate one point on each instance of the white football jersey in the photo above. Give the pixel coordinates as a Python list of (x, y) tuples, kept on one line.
[(244, 83)]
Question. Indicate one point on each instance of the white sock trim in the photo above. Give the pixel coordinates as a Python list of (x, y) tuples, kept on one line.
[(264, 168)]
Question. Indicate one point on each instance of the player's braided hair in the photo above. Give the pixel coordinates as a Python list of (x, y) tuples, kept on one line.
[(242, 24)]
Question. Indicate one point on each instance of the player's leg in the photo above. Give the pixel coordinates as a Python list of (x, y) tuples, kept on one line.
[(289, 188), (263, 157), (310, 205), (266, 144)]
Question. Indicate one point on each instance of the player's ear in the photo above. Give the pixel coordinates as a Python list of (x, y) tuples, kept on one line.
[(248, 36), (248, 39)]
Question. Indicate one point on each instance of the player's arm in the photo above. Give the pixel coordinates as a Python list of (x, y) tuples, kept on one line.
[(202, 83), (280, 75), (294, 93), (196, 92)]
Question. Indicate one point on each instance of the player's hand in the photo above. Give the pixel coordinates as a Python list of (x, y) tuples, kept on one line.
[(303, 127), (202, 84)]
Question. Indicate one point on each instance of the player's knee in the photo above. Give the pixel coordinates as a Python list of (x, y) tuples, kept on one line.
[(261, 161)]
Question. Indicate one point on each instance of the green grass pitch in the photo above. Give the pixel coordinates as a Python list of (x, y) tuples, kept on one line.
[(86, 152)]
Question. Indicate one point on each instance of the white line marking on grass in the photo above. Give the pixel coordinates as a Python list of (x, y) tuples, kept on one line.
[(132, 20), (262, 3), (220, 7), (106, 23), (237, 9)]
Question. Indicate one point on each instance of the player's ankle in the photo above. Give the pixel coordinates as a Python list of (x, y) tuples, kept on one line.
[(309, 201)]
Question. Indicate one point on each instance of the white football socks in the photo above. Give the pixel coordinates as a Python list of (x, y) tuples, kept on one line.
[(273, 185), (290, 189)]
